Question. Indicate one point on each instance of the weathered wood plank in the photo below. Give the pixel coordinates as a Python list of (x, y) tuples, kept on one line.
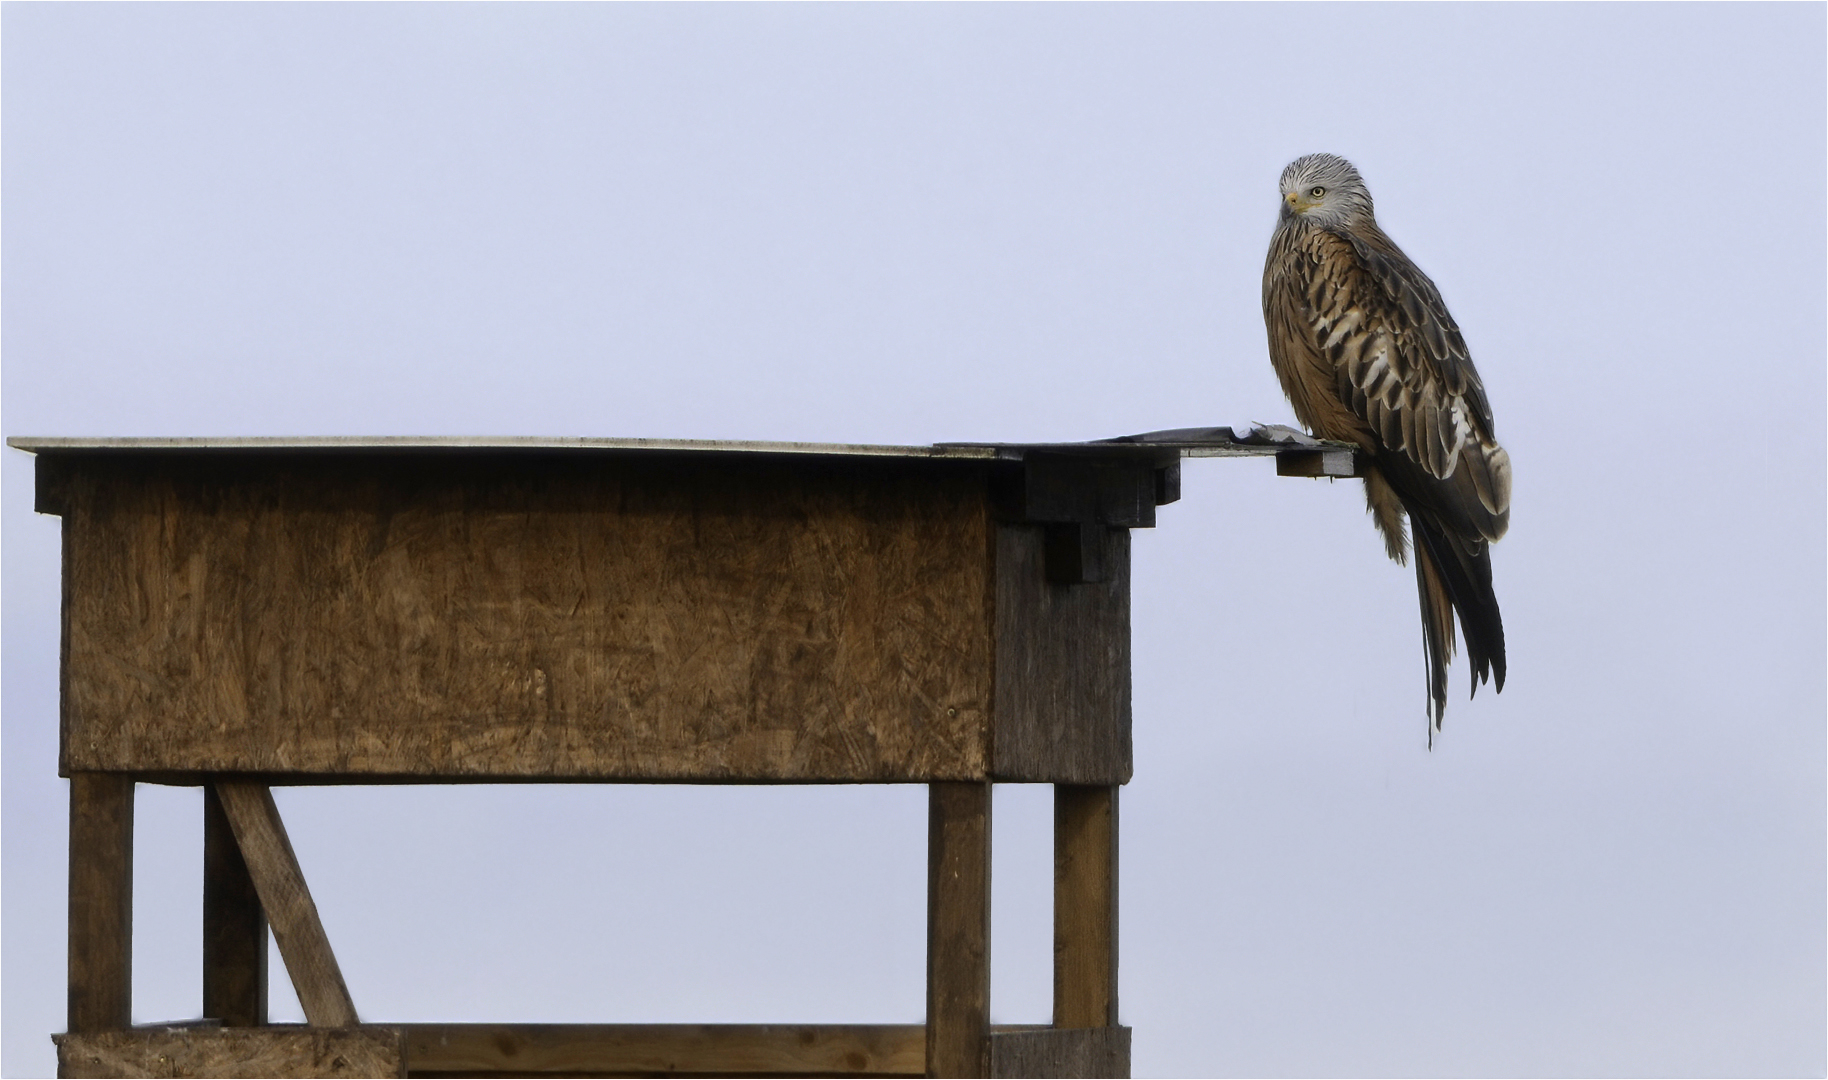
[(101, 902), (234, 926), (656, 1049), (958, 928), (277, 1051), (1062, 665), (287, 901), (529, 616), (1075, 1052), (283, 1050), (1085, 906)]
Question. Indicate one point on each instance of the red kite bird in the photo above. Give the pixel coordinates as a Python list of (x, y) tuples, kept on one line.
[(1367, 353)]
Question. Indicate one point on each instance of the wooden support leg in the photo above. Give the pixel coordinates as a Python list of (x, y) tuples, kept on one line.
[(101, 902), (261, 836), (1085, 906), (234, 926), (958, 929)]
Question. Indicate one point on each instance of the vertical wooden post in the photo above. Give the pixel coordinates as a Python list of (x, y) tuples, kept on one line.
[(101, 902), (958, 928), (234, 926), (1085, 906)]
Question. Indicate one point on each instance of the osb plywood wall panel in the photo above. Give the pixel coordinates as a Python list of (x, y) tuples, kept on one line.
[(479, 618)]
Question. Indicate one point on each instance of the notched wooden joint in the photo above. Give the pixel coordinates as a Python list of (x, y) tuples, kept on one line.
[(1077, 552)]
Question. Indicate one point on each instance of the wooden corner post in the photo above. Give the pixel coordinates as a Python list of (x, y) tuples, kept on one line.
[(101, 902), (958, 929), (234, 926), (1085, 906)]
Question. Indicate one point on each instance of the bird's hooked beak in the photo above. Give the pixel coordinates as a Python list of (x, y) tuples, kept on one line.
[(1295, 203)]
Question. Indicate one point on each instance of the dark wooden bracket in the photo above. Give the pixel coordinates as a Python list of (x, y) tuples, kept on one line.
[(1116, 491), (1335, 462), (1168, 482), (1080, 498)]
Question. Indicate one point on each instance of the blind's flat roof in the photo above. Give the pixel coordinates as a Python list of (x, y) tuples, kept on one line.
[(484, 442), (1187, 442)]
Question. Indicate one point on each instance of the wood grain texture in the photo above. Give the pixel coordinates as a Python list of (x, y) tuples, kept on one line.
[(528, 616), (1062, 665), (1078, 1052), (1085, 906), (234, 1052), (287, 901), (958, 928), (234, 926), (666, 1049), (101, 902)]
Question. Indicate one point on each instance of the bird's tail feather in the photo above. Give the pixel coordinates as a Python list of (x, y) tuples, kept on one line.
[(1437, 636), (1455, 572)]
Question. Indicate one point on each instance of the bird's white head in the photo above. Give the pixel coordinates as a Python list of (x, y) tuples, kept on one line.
[(1324, 191)]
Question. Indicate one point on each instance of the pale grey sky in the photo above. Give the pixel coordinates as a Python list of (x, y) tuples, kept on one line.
[(909, 224)]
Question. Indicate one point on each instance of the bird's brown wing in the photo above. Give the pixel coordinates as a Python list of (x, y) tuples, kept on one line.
[(1402, 365)]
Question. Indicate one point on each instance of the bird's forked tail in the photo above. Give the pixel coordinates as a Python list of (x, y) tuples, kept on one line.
[(1454, 574)]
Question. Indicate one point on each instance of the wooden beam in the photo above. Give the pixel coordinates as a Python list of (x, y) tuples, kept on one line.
[(958, 929), (234, 926), (657, 1049), (1118, 491), (283, 893), (207, 1049), (1060, 1052), (1085, 906), (1334, 462), (188, 1050), (101, 902)]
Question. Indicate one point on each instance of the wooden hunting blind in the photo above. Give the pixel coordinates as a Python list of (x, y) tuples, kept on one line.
[(240, 613)]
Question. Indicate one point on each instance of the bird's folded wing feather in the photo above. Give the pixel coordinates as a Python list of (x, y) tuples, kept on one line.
[(1403, 367)]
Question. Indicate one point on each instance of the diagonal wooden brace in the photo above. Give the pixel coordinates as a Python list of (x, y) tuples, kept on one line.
[(281, 884)]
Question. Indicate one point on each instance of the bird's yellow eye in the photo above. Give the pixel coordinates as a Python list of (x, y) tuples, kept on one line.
[(1315, 193)]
